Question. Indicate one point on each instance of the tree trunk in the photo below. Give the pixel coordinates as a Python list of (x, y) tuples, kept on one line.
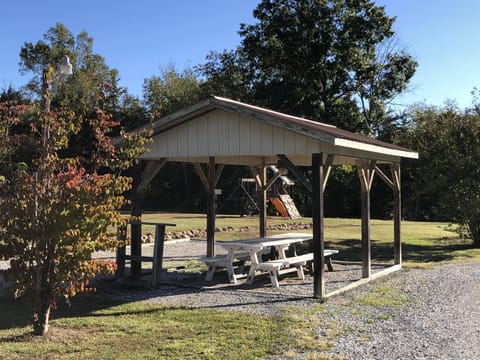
[(41, 312), (474, 232)]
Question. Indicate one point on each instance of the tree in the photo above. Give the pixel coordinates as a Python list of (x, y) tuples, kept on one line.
[(170, 91), (92, 85), (321, 59), (227, 75), (444, 181), (12, 94), (379, 82), (60, 209)]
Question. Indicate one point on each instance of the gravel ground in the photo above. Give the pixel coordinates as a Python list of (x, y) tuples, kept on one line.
[(439, 320), (434, 314)]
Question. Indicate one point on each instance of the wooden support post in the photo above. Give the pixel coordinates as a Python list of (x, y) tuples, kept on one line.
[(394, 185), (211, 208), (209, 182), (366, 171), (260, 176), (158, 253), (263, 201), (397, 214), (136, 228), (318, 227), (121, 252), (366, 243)]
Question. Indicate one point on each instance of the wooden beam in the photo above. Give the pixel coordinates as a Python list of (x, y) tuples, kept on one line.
[(270, 182), (397, 214), (256, 175), (263, 201), (210, 181), (218, 173), (136, 229), (260, 175), (357, 283), (294, 170), (327, 169), (211, 207), (151, 169), (158, 254), (201, 174), (318, 226), (121, 252), (384, 177), (366, 172)]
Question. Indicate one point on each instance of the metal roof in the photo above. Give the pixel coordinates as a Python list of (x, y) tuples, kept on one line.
[(322, 132)]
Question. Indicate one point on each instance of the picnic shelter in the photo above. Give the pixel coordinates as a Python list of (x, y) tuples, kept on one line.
[(217, 132)]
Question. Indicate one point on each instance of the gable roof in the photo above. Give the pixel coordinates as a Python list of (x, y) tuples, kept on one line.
[(329, 138)]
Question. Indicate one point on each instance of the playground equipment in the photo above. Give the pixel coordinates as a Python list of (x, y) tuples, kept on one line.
[(246, 194)]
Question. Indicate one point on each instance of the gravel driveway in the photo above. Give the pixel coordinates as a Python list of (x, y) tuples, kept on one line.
[(434, 313), (439, 320)]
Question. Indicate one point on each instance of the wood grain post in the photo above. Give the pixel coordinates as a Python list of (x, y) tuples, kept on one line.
[(318, 227), (158, 253), (136, 227), (397, 214), (366, 171), (211, 207), (366, 243), (121, 252), (263, 201)]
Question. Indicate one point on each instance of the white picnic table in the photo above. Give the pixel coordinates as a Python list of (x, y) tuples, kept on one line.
[(252, 249)]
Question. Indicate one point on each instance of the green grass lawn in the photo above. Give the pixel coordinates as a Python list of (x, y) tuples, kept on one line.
[(95, 327), (424, 243)]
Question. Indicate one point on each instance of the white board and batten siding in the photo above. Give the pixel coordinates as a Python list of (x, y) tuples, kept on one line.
[(221, 133)]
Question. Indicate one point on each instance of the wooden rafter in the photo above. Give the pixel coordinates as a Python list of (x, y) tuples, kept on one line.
[(201, 174), (302, 178), (151, 169), (366, 173), (384, 177), (203, 177), (294, 170), (327, 169), (256, 175)]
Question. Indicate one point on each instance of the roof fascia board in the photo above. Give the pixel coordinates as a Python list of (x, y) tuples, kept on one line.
[(375, 149)]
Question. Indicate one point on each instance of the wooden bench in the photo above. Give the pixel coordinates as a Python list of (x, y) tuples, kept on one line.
[(223, 260), (273, 266)]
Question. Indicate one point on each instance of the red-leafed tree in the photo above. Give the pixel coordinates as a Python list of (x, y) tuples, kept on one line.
[(58, 209)]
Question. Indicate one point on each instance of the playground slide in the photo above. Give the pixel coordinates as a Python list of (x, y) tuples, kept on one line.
[(279, 206)]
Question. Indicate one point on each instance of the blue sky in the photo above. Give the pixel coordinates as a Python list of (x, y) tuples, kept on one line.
[(139, 38)]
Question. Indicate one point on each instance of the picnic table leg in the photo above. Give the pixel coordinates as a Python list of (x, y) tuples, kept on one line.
[(328, 261), (274, 278), (229, 265), (300, 273), (210, 272), (253, 266)]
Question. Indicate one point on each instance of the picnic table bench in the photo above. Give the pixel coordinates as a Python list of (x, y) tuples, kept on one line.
[(273, 266), (250, 250)]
